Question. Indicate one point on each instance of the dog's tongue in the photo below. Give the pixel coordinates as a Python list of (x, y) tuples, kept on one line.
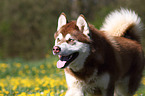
[(61, 64)]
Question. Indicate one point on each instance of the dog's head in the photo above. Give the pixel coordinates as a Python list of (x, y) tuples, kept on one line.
[(72, 42)]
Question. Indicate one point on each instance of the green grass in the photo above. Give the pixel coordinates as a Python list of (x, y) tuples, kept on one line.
[(35, 78)]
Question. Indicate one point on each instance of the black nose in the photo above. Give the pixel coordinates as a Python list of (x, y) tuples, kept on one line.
[(56, 49)]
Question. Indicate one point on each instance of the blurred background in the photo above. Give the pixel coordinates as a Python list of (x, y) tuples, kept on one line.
[(27, 26)]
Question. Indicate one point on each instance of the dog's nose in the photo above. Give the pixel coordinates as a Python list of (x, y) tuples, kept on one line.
[(56, 49)]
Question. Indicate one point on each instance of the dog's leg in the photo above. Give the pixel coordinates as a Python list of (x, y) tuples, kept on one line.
[(127, 86), (134, 83), (110, 90), (136, 74)]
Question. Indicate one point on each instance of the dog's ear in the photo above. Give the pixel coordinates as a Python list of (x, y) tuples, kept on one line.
[(61, 21), (83, 25)]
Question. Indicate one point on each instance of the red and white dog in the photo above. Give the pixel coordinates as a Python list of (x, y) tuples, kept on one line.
[(105, 62)]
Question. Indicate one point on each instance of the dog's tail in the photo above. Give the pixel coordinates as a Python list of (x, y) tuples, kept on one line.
[(123, 23)]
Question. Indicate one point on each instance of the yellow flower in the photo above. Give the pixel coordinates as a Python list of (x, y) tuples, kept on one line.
[(37, 94), (15, 87), (62, 94), (22, 94), (52, 93), (46, 92), (3, 65), (34, 68), (7, 92), (43, 71), (135, 95), (31, 95), (1, 94), (2, 84), (17, 65), (20, 72), (26, 66), (16, 92), (41, 66), (37, 88)]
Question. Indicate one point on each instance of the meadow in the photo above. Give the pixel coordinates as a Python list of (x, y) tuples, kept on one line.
[(36, 78)]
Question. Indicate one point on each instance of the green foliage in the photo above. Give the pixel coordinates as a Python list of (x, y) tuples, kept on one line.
[(27, 26), (36, 78), (22, 78)]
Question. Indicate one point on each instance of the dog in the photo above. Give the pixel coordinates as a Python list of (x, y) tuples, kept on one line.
[(105, 62)]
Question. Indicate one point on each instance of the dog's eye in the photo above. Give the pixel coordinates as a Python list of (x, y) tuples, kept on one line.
[(58, 39), (70, 40)]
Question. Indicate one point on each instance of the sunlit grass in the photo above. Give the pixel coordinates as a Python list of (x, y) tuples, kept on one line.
[(37, 78)]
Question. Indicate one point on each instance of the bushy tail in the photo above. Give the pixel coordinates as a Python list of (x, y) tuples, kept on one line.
[(123, 23)]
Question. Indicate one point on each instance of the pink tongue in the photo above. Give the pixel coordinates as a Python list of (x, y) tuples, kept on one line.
[(60, 64)]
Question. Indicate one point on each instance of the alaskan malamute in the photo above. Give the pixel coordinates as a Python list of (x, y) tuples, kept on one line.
[(105, 62)]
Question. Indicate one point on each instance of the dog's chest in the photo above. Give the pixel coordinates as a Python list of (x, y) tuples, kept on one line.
[(92, 85)]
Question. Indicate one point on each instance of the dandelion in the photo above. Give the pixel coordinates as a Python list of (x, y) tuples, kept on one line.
[(22, 94), (14, 88), (20, 72), (37, 88), (41, 66), (16, 92), (6, 92), (26, 66), (38, 94), (18, 65), (52, 93), (3, 65), (46, 92), (1, 94), (43, 71), (31, 95)]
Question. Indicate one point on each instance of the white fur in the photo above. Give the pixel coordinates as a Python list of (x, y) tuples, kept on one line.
[(67, 49), (117, 22), (81, 23), (74, 92), (82, 48), (80, 87), (67, 37), (100, 82), (74, 85), (61, 21), (60, 36), (103, 81)]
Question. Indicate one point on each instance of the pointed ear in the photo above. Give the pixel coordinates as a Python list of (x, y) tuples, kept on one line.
[(82, 24), (61, 21)]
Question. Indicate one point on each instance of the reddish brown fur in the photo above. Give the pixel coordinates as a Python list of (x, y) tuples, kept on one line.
[(124, 59), (71, 28)]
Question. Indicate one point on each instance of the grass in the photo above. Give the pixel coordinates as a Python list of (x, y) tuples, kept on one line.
[(36, 78)]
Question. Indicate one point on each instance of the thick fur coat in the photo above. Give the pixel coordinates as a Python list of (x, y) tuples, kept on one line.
[(105, 62)]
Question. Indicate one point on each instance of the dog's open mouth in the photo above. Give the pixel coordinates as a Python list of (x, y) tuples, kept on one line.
[(64, 61)]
